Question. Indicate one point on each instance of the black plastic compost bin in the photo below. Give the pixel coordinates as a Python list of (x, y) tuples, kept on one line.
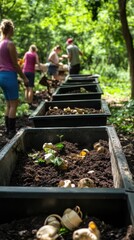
[(74, 92), (82, 76), (79, 81), (40, 119), (113, 207), (34, 138)]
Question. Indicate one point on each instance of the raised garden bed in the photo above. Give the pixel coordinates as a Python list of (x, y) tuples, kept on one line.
[(70, 113), (82, 77), (80, 81), (112, 211), (78, 92), (109, 170)]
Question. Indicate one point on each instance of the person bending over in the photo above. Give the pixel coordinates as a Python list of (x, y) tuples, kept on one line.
[(54, 63)]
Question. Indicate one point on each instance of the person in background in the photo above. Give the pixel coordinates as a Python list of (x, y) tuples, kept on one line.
[(30, 59), (9, 68), (54, 63), (73, 55)]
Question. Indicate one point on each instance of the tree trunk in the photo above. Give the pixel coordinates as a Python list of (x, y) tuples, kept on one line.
[(129, 41)]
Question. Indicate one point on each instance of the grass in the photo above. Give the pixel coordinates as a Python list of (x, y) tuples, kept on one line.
[(117, 94), (122, 117), (116, 90)]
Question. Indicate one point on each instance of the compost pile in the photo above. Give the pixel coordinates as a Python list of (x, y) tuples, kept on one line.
[(79, 90), (69, 111), (33, 170), (25, 229)]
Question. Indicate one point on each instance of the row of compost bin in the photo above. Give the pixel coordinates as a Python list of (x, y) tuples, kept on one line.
[(78, 114)]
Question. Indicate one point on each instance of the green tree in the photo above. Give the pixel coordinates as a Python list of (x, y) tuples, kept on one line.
[(94, 24), (128, 40), (120, 16), (6, 6)]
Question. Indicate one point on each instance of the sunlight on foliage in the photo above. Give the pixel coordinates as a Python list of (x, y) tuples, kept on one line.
[(23, 109), (123, 117), (115, 89)]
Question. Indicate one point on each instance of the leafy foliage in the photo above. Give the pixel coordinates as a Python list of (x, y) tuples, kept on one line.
[(123, 117), (49, 155), (93, 7), (48, 23), (59, 145)]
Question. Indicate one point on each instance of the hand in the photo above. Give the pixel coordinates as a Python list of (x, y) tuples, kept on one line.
[(64, 56)]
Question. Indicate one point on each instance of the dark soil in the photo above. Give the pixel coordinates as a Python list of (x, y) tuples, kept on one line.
[(80, 90), (22, 230), (30, 173), (70, 111)]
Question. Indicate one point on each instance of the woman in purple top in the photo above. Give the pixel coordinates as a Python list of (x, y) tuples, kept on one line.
[(30, 59), (8, 74)]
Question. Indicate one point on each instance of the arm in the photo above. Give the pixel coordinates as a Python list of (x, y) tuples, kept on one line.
[(80, 53), (50, 58), (69, 56), (13, 55), (64, 56), (38, 62)]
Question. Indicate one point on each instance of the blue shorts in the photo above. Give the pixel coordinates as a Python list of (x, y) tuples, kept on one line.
[(52, 70), (30, 76), (9, 85)]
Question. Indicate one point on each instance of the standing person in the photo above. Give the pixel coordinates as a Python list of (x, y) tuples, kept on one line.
[(54, 63), (73, 54), (8, 75), (30, 59)]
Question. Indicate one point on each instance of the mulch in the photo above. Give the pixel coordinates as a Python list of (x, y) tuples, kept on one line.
[(26, 229), (95, 165)]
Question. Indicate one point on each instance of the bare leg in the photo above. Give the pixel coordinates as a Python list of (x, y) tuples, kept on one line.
[(7, 108), (26, 94), (29, 94), (12, 108), (56, 77)]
